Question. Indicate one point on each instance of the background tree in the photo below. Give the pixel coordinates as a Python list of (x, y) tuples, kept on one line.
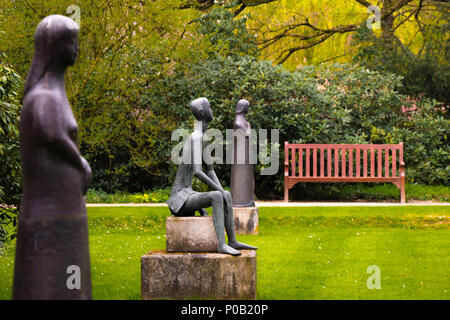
[(410, 38)]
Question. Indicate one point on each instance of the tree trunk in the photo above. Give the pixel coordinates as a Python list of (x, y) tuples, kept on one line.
[(387, 22)]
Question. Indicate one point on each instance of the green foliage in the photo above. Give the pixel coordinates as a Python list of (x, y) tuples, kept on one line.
[(427, 152), (10, 175), (426, 73), (154, 196), (226, 35)]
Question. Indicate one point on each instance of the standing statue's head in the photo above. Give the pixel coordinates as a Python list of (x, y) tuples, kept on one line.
[(242, 106), (201, 109), (55, 47)]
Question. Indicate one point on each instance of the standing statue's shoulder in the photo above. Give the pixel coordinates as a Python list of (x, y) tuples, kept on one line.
[(196, 136), (242, 124), (41, 98)]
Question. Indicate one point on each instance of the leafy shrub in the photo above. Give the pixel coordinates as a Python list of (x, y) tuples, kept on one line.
[(10, 172), (425, 136), (154, 196)]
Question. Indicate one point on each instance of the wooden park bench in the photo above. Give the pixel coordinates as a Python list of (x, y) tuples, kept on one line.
[(344, 163)]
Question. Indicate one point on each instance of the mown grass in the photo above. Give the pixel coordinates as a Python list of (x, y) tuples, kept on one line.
[(304, 253)]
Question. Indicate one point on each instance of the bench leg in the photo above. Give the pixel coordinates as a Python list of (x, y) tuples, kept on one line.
[(402, 190), (400, 184), (286, 192)]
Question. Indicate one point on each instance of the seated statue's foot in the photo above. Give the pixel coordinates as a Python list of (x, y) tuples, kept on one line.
[(241, 246), (228, 250)]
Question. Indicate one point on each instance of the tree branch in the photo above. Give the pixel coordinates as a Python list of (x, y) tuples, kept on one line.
[(364, 3), (418, 10)]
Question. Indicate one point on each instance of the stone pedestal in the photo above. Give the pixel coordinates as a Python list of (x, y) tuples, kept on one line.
[(169, 275), (190, 234), (246, 220)]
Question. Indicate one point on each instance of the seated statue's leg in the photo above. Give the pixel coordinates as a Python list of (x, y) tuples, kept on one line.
[(229, 226), (229, 218), (215, 199)]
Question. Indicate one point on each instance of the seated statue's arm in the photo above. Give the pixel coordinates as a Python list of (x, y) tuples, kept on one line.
[(208, 160), (48, 127), (212, 174), (205, 179), (197, 151)]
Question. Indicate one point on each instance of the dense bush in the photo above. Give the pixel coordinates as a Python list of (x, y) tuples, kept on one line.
[(154, 196), (10, 179), (427, 152)]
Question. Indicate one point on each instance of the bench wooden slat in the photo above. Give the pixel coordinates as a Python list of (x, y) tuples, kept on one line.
[(336, 165), (394, 163), (300, 166), (379, 163), (350, 162), (293, 152), (307, 162), (329, 162), (322, 162), (358, 168), (386, 162), (372, 162), (314, 162), (365, 163)]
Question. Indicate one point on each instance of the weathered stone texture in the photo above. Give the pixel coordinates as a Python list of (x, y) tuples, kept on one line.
[(246, 220), (190, 234), (168, 275)]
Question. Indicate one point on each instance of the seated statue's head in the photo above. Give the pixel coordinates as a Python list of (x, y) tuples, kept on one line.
[(55, 47), (242, 106), (201, 109)]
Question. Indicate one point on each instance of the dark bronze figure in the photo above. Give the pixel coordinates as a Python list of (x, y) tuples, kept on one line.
[(52, 254), (184, 201), (242, 182)]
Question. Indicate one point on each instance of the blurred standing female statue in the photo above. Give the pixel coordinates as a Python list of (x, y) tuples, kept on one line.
[(242, 183), (52, 253)]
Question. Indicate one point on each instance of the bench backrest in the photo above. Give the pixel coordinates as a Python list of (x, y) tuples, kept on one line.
[(343, 160)]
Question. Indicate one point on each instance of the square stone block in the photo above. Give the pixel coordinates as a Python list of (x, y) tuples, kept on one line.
[(190, 234), (182, 275), (246, 220)]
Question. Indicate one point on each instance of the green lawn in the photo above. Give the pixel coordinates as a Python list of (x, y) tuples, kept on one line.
[(304, 253)]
